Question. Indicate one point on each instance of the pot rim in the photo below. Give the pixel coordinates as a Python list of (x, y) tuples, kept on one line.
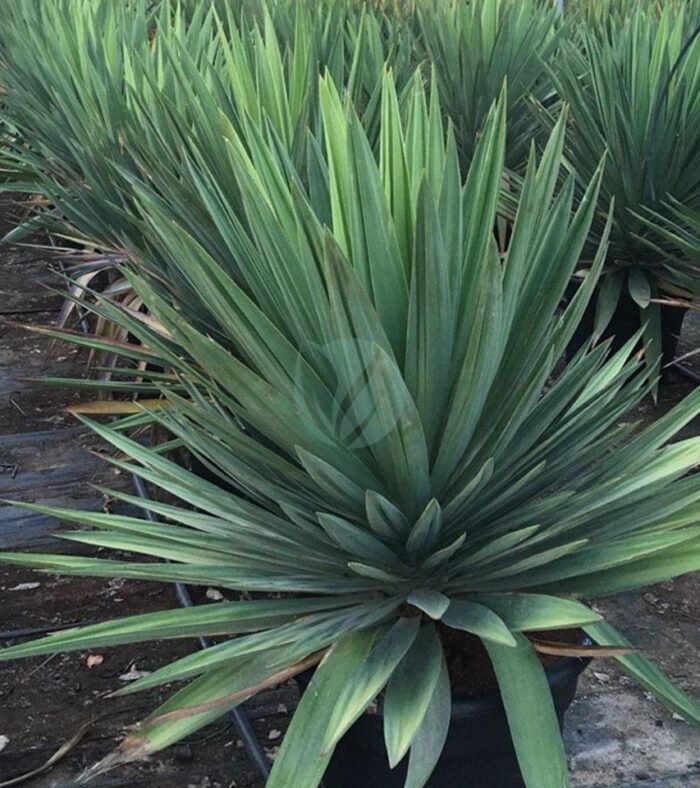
[(475, 704)]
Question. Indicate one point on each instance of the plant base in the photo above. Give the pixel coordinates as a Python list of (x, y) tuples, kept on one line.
[(625, 323), (478, 751)]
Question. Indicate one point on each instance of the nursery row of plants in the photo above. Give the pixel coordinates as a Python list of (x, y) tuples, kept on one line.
[(395, 277)]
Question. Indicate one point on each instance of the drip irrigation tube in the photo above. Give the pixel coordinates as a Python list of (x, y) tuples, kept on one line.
[(16, 634), (687, 372), (240, 720), (239, 717)]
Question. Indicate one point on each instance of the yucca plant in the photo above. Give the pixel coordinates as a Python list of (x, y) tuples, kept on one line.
[(100, 93), (602, 12), (633, 86), (476, 46), (87, 81), (405, 463)]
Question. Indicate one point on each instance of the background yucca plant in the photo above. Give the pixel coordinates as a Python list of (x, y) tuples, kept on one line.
[(476, 47), (84, 99), (100, 92), (399, 467), (634, 91), (604, 11), (104, 110)]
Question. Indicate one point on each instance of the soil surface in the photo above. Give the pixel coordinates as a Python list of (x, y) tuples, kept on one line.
[(616, 736), (45, 701)]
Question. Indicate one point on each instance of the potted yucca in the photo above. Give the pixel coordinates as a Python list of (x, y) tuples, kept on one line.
[(419, 494), (632, 82)]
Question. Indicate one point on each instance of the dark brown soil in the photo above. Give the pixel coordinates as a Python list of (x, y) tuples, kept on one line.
[(45, 701)]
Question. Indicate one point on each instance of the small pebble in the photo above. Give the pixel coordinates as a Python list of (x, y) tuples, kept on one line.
[(182, 753)]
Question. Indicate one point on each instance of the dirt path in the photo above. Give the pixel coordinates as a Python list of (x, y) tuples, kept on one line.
[(615, 735)]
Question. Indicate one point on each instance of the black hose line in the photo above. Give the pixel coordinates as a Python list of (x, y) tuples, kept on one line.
[(16, 634), (687, 372), (239, 717)]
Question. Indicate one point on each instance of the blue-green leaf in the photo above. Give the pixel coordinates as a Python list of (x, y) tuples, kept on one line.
[(409, 692), (532, 719), (370, 677)]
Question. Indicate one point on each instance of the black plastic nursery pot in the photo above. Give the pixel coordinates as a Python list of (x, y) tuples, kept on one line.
[(478, 751), (625, 323)]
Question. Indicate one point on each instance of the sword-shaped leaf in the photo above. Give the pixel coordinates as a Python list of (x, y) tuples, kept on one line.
[(531, 716), (370, 678), (409, 692)]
